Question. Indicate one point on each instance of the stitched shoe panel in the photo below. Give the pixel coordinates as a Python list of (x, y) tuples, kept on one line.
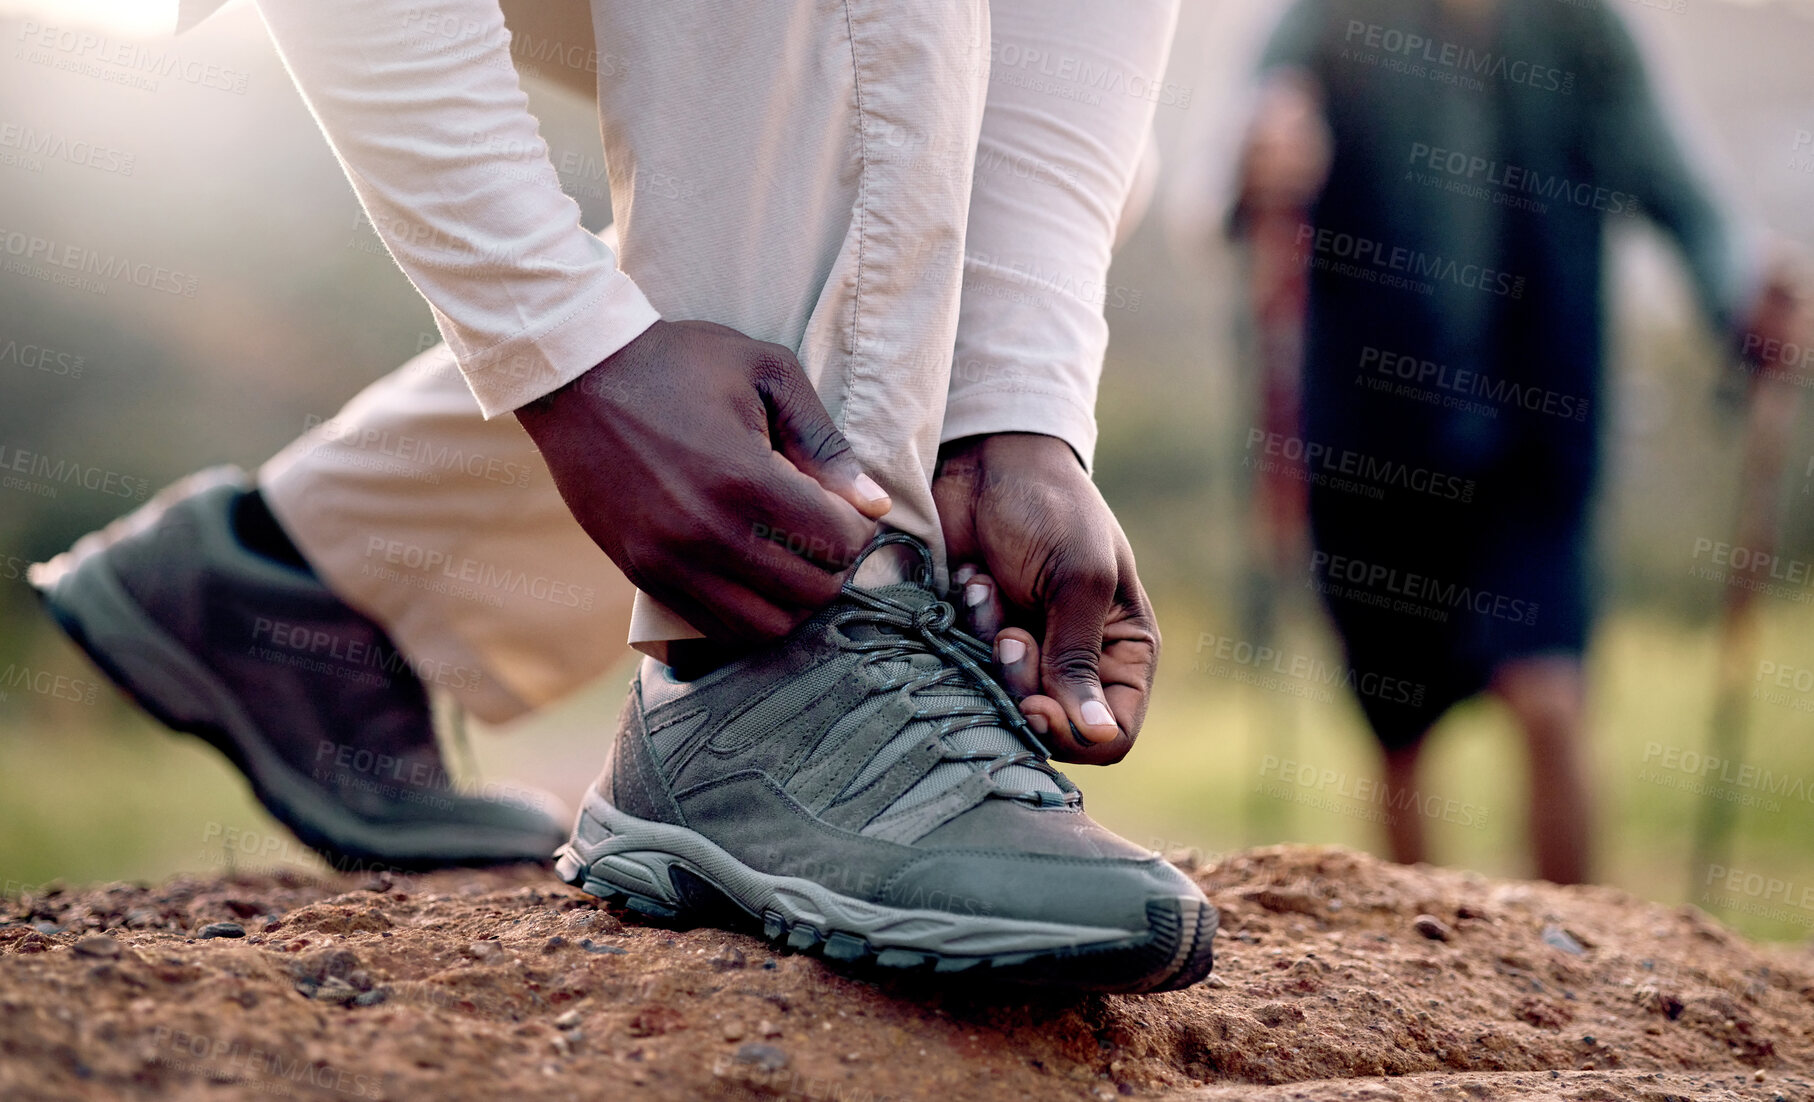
[(866, 788)]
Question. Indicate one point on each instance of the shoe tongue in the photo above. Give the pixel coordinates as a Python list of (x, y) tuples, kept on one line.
[(992, 739)]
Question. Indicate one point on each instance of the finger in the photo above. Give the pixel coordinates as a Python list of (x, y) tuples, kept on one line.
[(984, 614), (1130, 656), (1017, 663), (803, 432), (1048, 720), (1078, 605), (773, 569), (796, 514)]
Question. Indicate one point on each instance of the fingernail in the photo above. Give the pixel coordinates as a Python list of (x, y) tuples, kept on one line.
[(1097, 714), (868, 490), (1010, 651), (1038, 723), (975, 595), (964, 574)]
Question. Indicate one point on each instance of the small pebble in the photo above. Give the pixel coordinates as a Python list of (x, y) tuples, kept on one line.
[(221, 929), (591, 946), (567, 1020), (483, 951), (766, 1057), (1557, 938), (98, 945), (1431, 927), (733, 1031), (768, 1028), (729, 958)]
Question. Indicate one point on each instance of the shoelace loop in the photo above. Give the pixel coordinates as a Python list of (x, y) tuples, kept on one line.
[(930, 629)]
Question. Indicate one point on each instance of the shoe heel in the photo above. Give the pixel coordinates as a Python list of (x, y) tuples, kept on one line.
[(88, 602)]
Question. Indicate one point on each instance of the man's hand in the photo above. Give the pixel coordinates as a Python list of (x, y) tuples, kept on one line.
[(1777, 325), (697, 458), (1048, 575)]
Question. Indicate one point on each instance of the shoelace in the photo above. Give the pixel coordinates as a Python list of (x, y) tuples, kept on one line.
[(931, 630)]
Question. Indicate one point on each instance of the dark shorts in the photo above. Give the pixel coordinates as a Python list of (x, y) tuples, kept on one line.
[(1431, 596)]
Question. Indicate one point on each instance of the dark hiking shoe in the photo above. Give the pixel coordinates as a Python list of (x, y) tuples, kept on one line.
[(305, 696), (865, 789)]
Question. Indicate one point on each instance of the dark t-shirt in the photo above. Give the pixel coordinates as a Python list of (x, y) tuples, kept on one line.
[(1458, 248)]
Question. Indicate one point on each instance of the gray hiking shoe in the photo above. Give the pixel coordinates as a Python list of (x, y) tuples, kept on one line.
[(305, 696), (865, 788)]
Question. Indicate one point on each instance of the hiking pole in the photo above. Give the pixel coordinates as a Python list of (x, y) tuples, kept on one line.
[(1277, 503), (1770, 414)]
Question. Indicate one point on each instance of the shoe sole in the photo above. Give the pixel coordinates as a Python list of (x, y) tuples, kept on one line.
[(83, 593), (673, 873)]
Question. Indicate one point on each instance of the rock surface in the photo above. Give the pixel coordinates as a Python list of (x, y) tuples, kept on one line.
[(506, 983)]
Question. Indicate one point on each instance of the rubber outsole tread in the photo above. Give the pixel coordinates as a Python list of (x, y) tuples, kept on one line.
[(1129, 967)]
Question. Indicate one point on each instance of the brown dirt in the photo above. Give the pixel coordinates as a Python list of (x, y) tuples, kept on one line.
[(485, 985)]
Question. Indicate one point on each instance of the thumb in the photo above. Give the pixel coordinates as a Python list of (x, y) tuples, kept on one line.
[(1071, 654), (803, 432)]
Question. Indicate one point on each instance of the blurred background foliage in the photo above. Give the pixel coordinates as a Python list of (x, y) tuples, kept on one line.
[(297, 308)]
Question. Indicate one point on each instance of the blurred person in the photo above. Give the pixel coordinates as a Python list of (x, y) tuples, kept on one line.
[(1432, 181), (814, 734)]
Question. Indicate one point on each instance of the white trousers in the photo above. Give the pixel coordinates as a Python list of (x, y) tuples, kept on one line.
[(807, 181)]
